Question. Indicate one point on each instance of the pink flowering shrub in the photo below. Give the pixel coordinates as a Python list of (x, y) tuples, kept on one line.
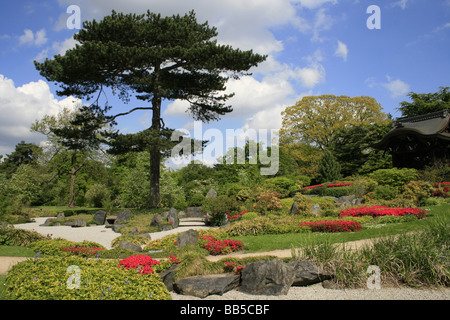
[(333, 226), (377, 211), (219, 247)]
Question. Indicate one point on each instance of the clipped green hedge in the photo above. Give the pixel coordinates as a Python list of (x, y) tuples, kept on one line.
[(52, 279)]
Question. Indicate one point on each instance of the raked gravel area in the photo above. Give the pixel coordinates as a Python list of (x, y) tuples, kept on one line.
[(99, 234), (317, 292)]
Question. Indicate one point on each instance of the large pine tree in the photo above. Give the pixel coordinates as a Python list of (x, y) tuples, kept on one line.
[(156, 58)]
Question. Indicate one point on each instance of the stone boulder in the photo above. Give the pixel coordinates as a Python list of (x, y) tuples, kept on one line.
[(211, 193), (168, 275), (203, 286), (47, 222), (60, 215), (130, 246), (123, 216), (294, 208), (78, 223), (189, 237), (156, 221), (100, 217), (194, 212), (306, 273), (272, 277), (315, 209), (172, 218)]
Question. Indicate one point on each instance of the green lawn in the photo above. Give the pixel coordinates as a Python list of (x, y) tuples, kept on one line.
[(286, 241), (15, 251)]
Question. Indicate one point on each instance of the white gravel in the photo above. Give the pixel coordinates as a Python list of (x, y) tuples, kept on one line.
[(317, 292), (98, 234)]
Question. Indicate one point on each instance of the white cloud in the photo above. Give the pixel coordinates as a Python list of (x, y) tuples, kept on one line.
[(341, 50), (313, 4), (63, 46), (30, 38), (21, 106), (396, 87), (401, 4)]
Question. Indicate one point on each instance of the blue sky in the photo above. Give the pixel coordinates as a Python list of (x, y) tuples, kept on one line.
[(315, 47)]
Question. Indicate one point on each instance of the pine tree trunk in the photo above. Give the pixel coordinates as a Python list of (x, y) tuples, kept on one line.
[(155, 152), (73, 173)]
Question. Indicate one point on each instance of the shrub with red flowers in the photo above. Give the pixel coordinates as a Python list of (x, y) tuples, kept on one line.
[(236, 216), (331, 185), (82, 251), (219, 247), (377, 211), (442, 189), (142, 263), (173, 259), (231, 267), (333, 226)]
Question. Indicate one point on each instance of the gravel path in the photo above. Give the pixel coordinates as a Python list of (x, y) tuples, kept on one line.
[(317, 292)]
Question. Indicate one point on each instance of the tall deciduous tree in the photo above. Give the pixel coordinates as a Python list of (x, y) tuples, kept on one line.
[(75, 141), (156, 58), (315, 120), (423, 103)]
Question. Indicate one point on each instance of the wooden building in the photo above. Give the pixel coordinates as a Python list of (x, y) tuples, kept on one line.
[(419, 141)]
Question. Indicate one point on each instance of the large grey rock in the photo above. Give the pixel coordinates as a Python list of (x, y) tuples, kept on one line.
[(78, 223), (306, 273), (189, 237), (129, 245), (294, 208), (156, 221), (123, 216), (194, 212), (60, 215), (272, 277), (168, 275), (211, 193), (100, 217), (172, 218), (203, 286), (315, 209), (347, 201), (47, 222)]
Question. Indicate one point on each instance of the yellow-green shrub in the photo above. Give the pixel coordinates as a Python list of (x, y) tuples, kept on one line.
[(48, 279), (53, 247)]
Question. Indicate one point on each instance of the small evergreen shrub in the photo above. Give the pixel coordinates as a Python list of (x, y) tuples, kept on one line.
[(76, 278)]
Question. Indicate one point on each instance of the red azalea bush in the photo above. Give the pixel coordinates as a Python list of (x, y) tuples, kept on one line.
[(331, 185), (442, 189), (333, 226), (376, 211), (82, 251), (236, 216), (141, 262), (231, 267), (219, 247)]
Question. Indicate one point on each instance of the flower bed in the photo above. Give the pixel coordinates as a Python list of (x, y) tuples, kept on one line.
[(219, 247), (236, 216), (442, 189), (377, 211), (333, 226), (142, 263), (82, 251), (331, 185)]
